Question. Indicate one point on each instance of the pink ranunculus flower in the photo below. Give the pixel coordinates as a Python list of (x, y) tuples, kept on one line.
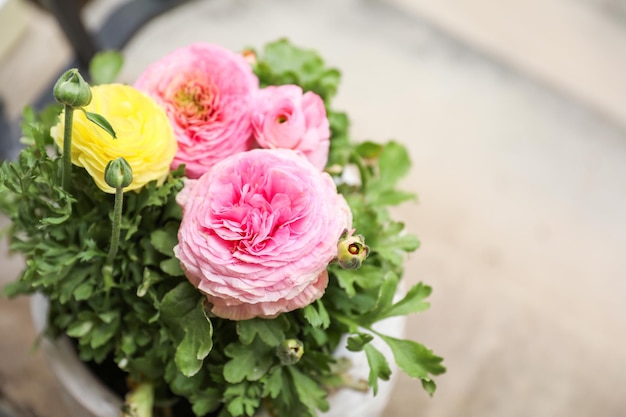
[(258, 232), (285, 118), (207, 92)]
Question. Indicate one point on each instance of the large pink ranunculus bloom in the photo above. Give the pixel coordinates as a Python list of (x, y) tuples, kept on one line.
[(285, 118), (207, 92), (258, 231)]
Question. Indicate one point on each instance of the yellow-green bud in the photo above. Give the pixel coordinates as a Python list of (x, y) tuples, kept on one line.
[(118, 173), (351, 250), (290, 351), (72, 90)]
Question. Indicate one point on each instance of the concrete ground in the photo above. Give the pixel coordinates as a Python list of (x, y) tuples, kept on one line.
[(520, 167)]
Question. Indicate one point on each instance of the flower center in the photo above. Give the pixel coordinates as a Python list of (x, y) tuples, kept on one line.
[(195, 99)]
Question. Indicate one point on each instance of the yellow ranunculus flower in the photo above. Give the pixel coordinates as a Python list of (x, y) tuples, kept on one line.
[(144, 136)]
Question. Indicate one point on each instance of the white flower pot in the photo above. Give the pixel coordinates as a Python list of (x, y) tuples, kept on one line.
[(86, 396)]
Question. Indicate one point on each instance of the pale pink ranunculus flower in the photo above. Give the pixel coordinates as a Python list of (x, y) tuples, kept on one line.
[(258, 232), (207, 92), (284, 117)]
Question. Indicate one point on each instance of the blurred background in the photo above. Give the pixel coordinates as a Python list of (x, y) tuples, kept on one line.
[(514, 112)]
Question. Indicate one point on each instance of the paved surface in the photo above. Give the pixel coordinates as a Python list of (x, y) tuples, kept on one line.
[(522, 200)]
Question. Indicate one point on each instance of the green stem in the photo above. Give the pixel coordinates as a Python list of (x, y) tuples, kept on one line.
[(67, 147), (117, 218)]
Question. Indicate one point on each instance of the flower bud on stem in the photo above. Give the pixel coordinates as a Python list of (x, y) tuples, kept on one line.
[(73, 92), (117, 174), (67, 147), (290, 351), (351, 250)]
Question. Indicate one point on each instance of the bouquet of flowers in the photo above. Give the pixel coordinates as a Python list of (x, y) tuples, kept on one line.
[(203, 232)]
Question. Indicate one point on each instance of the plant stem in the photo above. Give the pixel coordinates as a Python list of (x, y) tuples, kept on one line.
[(117, 218), (67, 147)]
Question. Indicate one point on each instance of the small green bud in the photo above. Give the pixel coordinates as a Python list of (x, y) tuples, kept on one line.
[(72, 90), (290, 351), (351, 250), (118, 173)]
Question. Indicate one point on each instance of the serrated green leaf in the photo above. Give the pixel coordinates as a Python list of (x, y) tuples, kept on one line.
[(271, 332), (273, 384), (182, 313), (196, 344), (207, 401), (414, 358), (379, 367), (101, 122), (357, 342), (242, 399), (393, 164), (105, 66), (412, 302), (310, 393), (249, 362), (367, 276), (316, 315), (385, 299)]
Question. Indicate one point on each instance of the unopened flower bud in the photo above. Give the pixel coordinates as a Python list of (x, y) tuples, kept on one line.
[(290, 351), (351, 250), (72, 90), (250, 56), (118, 173)]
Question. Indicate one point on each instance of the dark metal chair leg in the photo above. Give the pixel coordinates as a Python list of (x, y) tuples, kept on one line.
[(67, 14), (115, 33)]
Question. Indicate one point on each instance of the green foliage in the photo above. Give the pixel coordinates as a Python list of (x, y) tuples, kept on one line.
[(101, 122), (105, 66), (141, 311)]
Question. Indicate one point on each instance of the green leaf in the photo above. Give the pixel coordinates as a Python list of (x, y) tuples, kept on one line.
[(385, 299), (310, 393), (429, 386), (412, 302), (369, 150), (393, 197), (415, 359), (249, 362), (273, 384), (271, 332), (83, 291), (316, 315), (164, 239), (367, 276), (172, 267), (207, 401), (105, 66), (196, 344), (80, 328), (101, 122), (184, 316), (393, 164), (242, 399), (357, 342), (379, 367)]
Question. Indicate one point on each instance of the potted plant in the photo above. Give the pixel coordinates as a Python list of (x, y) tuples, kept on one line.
[(201, 235)]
